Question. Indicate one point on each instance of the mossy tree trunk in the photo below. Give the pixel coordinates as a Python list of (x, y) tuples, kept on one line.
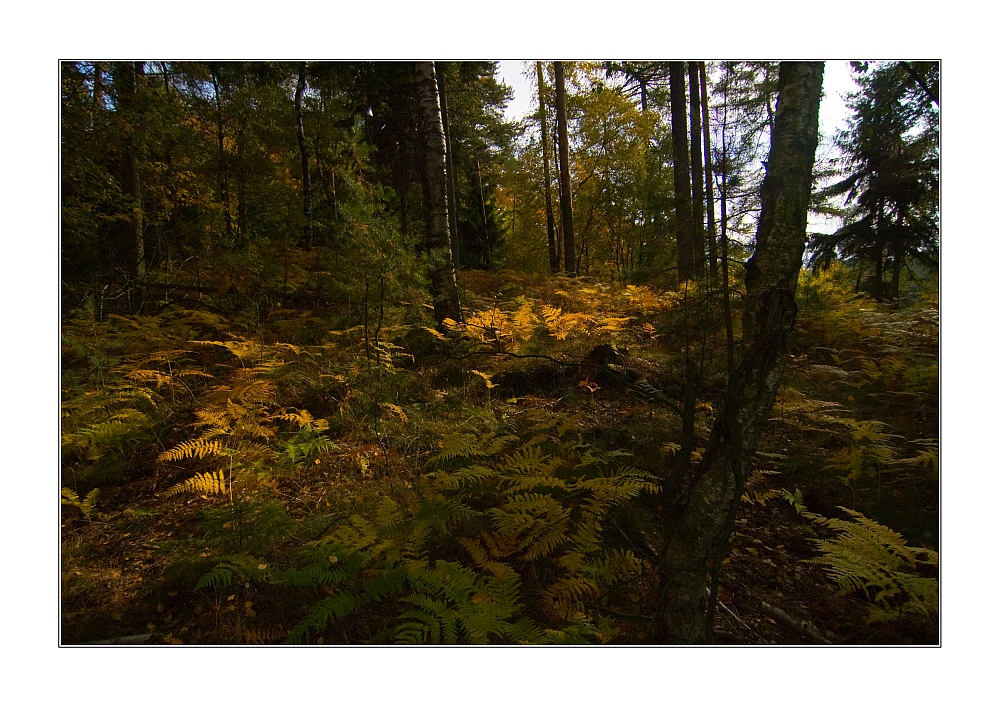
[(437, 240), (699, 516)]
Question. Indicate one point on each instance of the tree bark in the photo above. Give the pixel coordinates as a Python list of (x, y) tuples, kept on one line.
[(444, 285), (128, 77), (565, 186), (450, 167), (682, 176), (549, 218), (724, 228), (698, 528), (300, 133), (697, 175), (713, 254)]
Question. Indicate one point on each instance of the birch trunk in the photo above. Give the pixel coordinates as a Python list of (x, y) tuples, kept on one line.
[(444, 285)]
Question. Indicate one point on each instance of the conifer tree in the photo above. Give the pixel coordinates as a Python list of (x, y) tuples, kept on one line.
[(890, 178)]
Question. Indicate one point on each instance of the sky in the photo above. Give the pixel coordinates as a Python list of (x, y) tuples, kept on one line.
[(833, 113), (837, 82)]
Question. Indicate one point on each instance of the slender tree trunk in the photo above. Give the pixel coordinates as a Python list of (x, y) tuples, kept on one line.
[(477, 184), (724, 228), (98, 94), (897, 260), (697, 175), (129, 78), (442, 267), (227, 216), (713, 253), (300, 133), (697, 532), (549, 218), (565, 187), (450, 165), (682, 176)]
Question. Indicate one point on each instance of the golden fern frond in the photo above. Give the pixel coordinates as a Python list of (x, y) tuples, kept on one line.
[(208, 483), (753, 491), (871, 558), (197, 448)]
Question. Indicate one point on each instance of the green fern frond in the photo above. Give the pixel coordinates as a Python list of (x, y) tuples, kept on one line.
[(87, 506), (470, 446), (464, 477), (219, 577), (323, 613)]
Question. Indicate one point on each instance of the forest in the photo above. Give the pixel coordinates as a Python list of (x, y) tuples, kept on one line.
[(351, 357)]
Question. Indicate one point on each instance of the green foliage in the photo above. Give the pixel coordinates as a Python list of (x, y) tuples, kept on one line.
[(535, 507), (87, 506), (307, 443), (890, 179)]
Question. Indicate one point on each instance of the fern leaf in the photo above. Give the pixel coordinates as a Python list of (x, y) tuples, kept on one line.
[(209, 483), (198, 448)]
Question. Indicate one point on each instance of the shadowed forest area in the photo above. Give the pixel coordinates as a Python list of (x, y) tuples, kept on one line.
[(349, 357)]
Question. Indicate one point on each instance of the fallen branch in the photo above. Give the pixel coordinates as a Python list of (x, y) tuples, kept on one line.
[(802, 626)]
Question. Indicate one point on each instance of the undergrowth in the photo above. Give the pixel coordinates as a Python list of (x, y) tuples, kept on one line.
[(362, 477)]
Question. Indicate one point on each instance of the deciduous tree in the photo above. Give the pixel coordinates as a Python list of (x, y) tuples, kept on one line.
[(701, 505), (442, 267), (565, 186)]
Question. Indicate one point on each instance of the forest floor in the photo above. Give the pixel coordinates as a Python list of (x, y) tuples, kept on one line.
[(130, 568)]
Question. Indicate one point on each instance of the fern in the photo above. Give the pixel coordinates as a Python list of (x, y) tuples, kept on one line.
[(198, 448), (87, 506), (868, 557), (208, 483), (754, 493)]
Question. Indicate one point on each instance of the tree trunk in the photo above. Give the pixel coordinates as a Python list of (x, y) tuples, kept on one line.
[(227, 216), (444, 285), (697, 175), (128, 77), (682, 176), (698, 529), (549, 218), (565, 187), (450, 167), (300, 133), (713, 254), (724, 227)]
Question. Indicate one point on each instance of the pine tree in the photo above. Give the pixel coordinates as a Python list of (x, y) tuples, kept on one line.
[(890, 178)]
